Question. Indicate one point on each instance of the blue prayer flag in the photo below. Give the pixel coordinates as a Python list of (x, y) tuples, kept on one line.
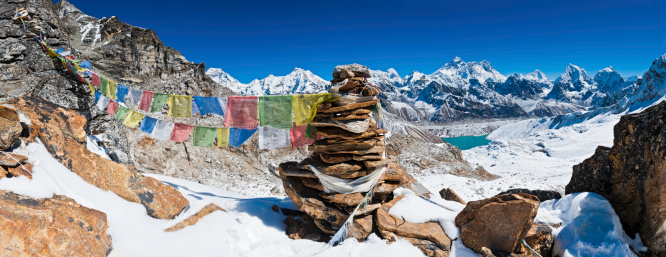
[(121, 93), (238, 136), (85, 64), (97, 95), (209, 105), (195, 107), (148, 124)]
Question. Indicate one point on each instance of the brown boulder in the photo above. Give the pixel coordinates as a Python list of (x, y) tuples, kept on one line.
[(21, 170), (351, 106), (11, 160), (9, 113), (543, 195), (429, 231), (344, 199), (304, 228), (194, 218), (62, 132), (55, 226), (361, 227), (449, 194), (540, 239), (9, 133), (345, 74), (498, 223)]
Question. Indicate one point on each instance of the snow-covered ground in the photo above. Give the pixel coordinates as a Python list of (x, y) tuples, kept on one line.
[(530, 154), (249, 227)]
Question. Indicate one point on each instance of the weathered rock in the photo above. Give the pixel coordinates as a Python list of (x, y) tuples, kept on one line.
[(631, 175), (344, 199), (354, 126), (351, 106), (312, 183), (62, 132), (304, 228), (211, 207), (361, 228), (543, 195), (21, 170), (9, 133), (540, 239), (11, 160), (3, 172), (55, 226), (430, 231), (498, 223), (8, 113), (338, 133), (336, 158), (345, 74), (357, 69), (449, 194)]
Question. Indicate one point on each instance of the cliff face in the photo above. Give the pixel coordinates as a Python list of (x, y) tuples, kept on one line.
[(631, 175)]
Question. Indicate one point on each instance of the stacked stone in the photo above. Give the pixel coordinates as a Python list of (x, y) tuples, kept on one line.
[(349, 146)]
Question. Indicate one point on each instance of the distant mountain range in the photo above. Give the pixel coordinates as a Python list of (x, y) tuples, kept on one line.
[(462, 90)]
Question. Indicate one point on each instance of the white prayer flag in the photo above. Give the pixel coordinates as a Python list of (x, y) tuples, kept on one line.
[(163, 130), (273, 138), (102, 102), (223, 103), (135, 96)]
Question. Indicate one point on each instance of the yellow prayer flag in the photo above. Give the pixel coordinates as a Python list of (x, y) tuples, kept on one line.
[(111, 89), (180, 106), (305, 107), (223, 137), (92, 89), (52, 53), (133, 118)]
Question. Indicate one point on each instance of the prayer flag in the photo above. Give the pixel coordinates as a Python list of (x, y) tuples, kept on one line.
[(238, 136), (223, 137), (122, 112), (121, 93), (180, 132), (275, 111), (148, 124), (378, 114), (102, 86), (135, 96), (162, 130), (159, 100), (92, 89), (209, 105), (133, 119), (311, 132), (241, 112), (112, 108), (273, 138), (146, 99), (204, 136), (97, 95), (299, 137), (111, 88), (103, 102), (195, 108), (85, 64), (305, 106), (223, 104), (180, 106)]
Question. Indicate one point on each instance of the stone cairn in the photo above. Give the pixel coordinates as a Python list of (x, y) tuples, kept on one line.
[(350, 145)]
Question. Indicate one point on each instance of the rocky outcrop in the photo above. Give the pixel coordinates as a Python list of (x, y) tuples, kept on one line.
[(9, 133), (631, 175), (14, 165), (498, 223), (55, 226), (543, 195), (194, 218), (62, 132), (450, 195)]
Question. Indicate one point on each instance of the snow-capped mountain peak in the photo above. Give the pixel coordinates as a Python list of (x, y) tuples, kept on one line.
[(608, 79), (457, 69), (296, 82), (574, 74), (223, 78), (537, 76)]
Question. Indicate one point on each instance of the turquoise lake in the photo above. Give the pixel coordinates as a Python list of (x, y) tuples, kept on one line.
[(467, 142)]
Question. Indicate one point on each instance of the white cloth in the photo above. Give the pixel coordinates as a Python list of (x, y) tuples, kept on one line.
[(102, 102), (135, 96), (273, 138), (223, 103), (163, 130), (347, 186)]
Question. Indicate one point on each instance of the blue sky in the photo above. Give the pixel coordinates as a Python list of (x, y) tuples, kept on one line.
[(252, 39)]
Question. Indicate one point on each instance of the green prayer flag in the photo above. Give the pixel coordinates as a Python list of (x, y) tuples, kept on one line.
[(311, 132), (122, 112), (204, 136), (103, 83), (276, 111), (159, 100)]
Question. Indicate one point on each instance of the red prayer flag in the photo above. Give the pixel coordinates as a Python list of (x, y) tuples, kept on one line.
[(146, 100), (298, 136), (112, 108), (180, 132), (95, 80), (242, 112)]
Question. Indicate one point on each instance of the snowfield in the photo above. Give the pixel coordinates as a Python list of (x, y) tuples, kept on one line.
[(250, 228)]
